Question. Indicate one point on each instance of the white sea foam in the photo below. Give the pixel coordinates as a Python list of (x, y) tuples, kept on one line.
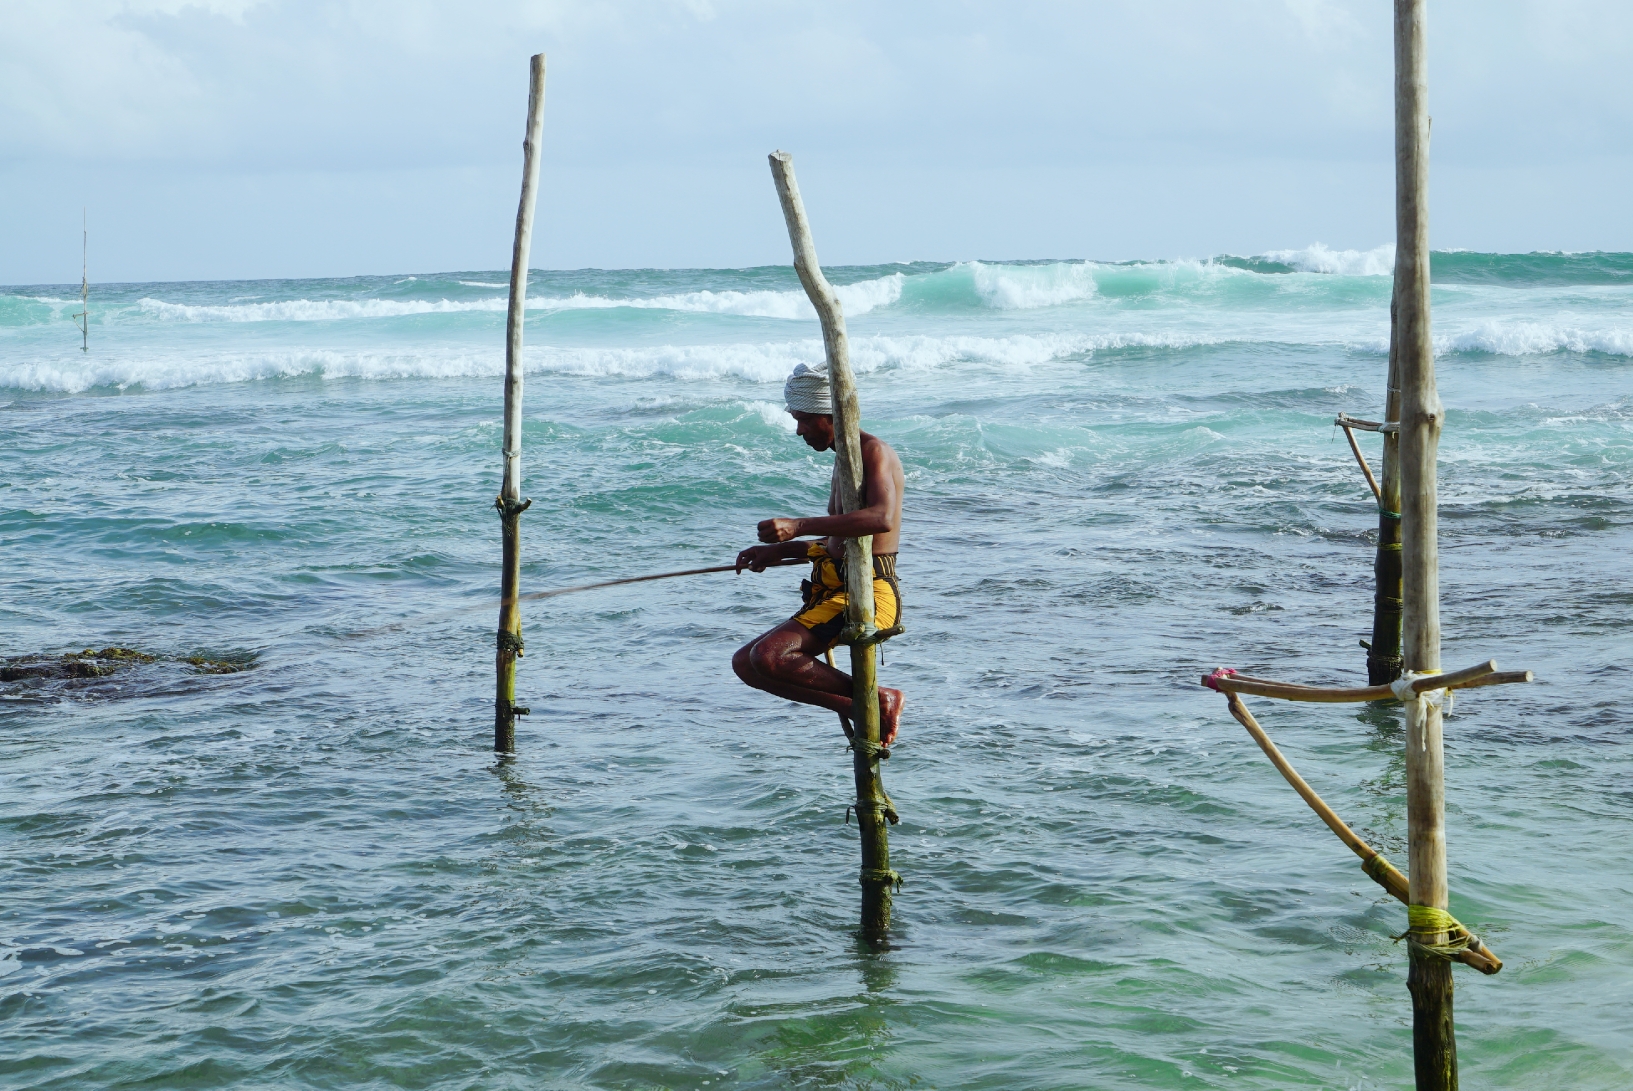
[(774, 414), (313, 310), (1377, 262), (228, 359), (1058, 459), (858, 298), (1511, 338), (168, 373), (1025, 287), (761, 362), (482, 283)]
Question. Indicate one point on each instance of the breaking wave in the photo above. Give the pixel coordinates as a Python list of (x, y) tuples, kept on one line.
[(1027, 287), (1509, 338), (859, 298), (1317, 258), (755, 362)]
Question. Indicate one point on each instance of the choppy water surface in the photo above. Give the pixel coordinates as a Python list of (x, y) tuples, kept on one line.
[(313, 872)]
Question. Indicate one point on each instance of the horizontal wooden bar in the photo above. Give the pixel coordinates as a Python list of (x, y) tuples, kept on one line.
[(1482, 674), (1500, 678), (1344, 420)]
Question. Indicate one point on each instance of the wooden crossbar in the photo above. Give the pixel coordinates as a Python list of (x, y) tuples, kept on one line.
[(1483, 674)]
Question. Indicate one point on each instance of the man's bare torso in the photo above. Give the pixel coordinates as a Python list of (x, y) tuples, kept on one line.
[(877, 458)]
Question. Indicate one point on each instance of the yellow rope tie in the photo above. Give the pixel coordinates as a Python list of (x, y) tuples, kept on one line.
[(1426, 920), (1377, 865)]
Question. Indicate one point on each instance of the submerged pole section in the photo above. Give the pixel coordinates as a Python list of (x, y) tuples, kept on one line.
[(871, 802), (1434, 1041), (510, 502)]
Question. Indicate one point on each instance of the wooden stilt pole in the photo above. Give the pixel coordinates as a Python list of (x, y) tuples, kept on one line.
[(871, 802), (1434, 1042), (510, 502), (1384, 652)]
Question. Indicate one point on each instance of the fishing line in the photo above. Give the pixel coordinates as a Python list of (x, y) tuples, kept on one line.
[(535, 596)]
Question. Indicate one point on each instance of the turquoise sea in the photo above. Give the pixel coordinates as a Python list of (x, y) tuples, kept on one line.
[(313, 872)]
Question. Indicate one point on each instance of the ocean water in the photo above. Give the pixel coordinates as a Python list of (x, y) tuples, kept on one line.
[(314, 873)]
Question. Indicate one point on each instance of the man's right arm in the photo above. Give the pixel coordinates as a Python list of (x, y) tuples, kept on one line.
[(758, 558)]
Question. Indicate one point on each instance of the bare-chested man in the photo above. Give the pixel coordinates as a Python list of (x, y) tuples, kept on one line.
[(787, 660)]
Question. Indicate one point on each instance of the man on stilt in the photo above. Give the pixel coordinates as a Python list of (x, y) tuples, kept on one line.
[(786, 661)]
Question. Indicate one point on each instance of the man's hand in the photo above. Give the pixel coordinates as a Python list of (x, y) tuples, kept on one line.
[(778, 530), (758, 558)]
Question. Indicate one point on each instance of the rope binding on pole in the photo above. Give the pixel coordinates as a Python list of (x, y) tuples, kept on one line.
[(881, 875), (1426, 920)]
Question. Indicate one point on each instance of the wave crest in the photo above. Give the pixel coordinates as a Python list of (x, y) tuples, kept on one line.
[(1536, 339), (759, 362), (859, 298), (1027, 287), (1318, 258)]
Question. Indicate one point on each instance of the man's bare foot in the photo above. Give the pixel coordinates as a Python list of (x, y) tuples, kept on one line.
[(890, 714)]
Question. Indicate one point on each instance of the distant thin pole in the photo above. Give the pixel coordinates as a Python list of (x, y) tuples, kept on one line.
[(83, 318), (510, 502)]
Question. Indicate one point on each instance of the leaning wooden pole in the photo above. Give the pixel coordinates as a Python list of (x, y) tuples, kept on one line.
[(510, 502), (871, 801), (1434, 1042)]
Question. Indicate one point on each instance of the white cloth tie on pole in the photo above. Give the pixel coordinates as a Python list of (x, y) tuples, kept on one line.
[(1402, 688)]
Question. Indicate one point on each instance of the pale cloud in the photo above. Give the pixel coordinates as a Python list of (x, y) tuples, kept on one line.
[(958, 128), (1328, 23)]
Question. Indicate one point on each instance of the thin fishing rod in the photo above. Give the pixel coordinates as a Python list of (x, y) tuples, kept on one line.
[(784, 563), (536, 595)]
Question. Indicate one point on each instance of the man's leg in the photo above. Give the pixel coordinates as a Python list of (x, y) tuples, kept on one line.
[(785, 662)]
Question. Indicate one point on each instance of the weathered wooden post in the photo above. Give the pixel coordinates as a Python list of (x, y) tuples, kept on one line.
[(871, 802), (1434, 937), (1434, 1042), (510, 502)]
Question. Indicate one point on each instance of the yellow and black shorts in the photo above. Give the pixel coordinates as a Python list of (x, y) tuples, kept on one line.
[(825, 598)]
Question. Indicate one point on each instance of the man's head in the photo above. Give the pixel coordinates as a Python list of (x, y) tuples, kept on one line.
[(817, 429), (810, 403)]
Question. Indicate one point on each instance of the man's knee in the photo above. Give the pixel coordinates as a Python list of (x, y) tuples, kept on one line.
[(742, 662), (769, 656)]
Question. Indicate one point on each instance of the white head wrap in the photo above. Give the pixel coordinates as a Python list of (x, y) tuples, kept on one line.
[(807, 390)]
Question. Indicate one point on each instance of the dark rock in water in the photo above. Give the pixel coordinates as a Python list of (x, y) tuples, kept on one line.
[(215, 666), (92, 663), (86, 664)]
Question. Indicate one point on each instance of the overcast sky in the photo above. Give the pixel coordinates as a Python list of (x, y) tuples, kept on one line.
[(262, 138)]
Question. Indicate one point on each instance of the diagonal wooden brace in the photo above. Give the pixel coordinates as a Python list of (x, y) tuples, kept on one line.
[(1382, 872)]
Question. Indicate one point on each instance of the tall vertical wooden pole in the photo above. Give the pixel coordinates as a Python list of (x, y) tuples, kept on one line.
[(1434, 1042), (876, 876), (510, 502)]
